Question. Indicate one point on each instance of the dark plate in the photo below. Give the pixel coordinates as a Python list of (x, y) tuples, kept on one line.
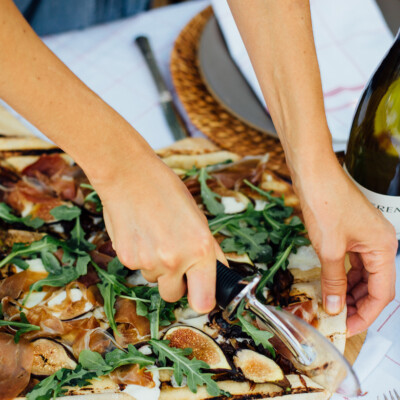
[(226, 82), (230, 88)]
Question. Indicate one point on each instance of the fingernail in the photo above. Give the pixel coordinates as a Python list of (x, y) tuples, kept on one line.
[(333, 304), (201, 303)]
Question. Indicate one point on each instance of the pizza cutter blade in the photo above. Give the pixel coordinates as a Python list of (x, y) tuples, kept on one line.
[(308, 350)]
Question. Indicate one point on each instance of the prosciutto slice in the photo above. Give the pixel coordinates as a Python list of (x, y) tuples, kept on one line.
[(53, 171), (133, 328), (15, 366), (306, 310), (15, 285), (27, 198), (132, 375)]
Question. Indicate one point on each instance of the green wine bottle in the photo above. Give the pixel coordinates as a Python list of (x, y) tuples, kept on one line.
[(373, 152)]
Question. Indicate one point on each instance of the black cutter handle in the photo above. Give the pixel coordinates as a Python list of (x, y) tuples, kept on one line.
[(228, 285)]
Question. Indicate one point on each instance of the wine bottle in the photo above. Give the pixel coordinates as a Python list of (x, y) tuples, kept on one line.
[(373, 151)]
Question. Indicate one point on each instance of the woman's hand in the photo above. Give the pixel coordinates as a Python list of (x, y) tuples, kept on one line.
[(156, 226), (340, 219)]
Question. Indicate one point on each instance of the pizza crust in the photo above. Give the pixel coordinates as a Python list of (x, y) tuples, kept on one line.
[(188, 146), (20, 162), (97, 396), (22, 143), (246, 390)]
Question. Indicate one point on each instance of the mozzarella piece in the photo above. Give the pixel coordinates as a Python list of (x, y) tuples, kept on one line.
[(197, 322), (75, 294), (304, 259), (57, 228), (146, 350), (174, 383), (98, 313), (260, 204), (34, 299), (262, 266), (88, 306), (141, 392), (28, 207), (57, 299), (137, 279), (35, 265), (232, 205)]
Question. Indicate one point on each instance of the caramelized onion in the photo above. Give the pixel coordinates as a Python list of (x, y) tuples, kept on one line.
[(15, 366)]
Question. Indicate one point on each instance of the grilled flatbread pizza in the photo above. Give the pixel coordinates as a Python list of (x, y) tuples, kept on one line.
[(75, 323)]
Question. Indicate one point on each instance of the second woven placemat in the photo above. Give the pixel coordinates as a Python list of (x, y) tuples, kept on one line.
[(205, 112)]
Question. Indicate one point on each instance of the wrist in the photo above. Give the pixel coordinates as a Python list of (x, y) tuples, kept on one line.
[(123, 153), (312, 164)]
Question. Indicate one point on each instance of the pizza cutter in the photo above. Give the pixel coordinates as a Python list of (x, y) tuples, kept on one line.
[(308, 350)]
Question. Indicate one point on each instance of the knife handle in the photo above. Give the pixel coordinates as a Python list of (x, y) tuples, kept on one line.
[(145, 48), (228, 286)]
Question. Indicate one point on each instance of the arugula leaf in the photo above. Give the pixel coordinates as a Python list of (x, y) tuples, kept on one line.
[(118, 358), (209, 197), (194, 171), (46, 244), (148, 300), (268, 276), (82, 264), (259, 337), (45, 389), (7, 216), (65, 213), (114, 280), (50, 262), (109, 295), (23, 326), (93, 361), (54, 385), (78, 240), (154, 314), (91, 365), (248, 240), (19, 262), (183, 366), (277, 200), (158, 312), (115, 267), (92, 197), (65, 276)]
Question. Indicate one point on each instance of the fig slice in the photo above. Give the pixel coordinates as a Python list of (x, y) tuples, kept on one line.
[(259, 368), (203, 346), (49, 357)]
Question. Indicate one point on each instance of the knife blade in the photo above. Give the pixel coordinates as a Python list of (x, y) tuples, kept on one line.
[(174, 120), (310, 352)]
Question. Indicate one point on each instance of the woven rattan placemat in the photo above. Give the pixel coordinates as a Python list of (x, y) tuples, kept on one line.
[(205, 112)]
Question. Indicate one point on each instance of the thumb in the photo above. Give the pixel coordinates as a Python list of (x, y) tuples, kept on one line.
[(333, 284)]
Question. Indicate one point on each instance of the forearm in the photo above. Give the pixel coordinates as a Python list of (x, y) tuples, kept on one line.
[(279, 39), (42, 89)]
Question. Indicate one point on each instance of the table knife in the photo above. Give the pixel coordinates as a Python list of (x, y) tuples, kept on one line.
[(171, 114), (309, 351)]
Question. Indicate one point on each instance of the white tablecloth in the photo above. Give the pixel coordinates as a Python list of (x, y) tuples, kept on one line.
[(107, 60)]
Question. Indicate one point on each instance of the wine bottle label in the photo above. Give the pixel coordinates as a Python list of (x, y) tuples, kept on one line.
[(388, 205)]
